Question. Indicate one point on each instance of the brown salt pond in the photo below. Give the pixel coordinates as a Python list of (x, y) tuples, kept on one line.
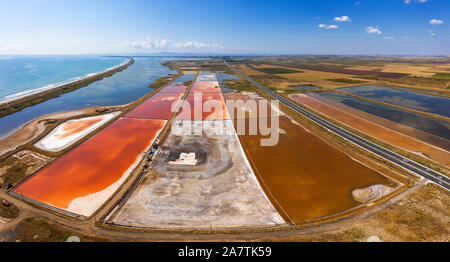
[(305, 177), (83, 179), (159, 106), (376, 130)]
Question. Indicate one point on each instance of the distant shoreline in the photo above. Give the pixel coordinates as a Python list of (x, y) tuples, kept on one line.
[(16, 104)]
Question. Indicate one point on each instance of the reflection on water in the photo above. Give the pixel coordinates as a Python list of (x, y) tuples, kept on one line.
[(121, 88), (409, 99), (304, 87), (223, 78), (436, 127)]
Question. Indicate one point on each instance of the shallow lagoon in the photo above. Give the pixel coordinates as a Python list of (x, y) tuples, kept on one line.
[(121, 88), (436, 127), (422, 102)]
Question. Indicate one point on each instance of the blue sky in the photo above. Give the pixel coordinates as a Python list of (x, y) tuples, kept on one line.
[(384, 27)]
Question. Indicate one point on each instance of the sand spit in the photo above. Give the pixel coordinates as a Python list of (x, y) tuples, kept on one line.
[(371, 193), (219, 191), (71, 131), (82, 81)]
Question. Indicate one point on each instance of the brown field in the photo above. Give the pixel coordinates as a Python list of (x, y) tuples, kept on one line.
[(247, 70), (318, 78), (348, 71), (375, 130), (425, 71), (307, 74)]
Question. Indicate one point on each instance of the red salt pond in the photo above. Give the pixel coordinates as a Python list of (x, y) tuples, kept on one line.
[(156, 107), (199, 103), (77, 127), (206, 87), (83, 179)]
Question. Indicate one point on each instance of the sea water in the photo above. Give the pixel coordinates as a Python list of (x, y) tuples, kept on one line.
[(121, 88), (24, 75)]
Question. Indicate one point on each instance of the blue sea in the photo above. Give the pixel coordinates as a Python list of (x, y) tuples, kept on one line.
[(121, 88), (22, 75)]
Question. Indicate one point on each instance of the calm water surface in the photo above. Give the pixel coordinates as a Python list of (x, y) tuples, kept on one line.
[(422, 102), (123, 87), (22, 75), (436, 127)]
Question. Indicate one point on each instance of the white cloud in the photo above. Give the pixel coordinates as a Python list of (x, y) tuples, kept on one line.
[(389, 38), (328, 27), (436, 22), (149, 43), (373, 30), (343, 18), (418, 1), (432, 33)]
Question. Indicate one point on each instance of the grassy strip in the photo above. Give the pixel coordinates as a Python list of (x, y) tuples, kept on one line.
[(39, 230), (16, 172), (274, 70), (443, 76), (242, 85), (162, 81), (346, 81), (9, 212)]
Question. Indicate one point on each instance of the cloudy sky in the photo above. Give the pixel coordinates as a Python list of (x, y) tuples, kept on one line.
[(390, 27)]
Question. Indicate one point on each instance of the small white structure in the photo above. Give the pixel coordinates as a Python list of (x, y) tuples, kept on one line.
[(185, 159)]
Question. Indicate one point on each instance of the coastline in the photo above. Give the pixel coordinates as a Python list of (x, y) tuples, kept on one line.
[(16, 104)]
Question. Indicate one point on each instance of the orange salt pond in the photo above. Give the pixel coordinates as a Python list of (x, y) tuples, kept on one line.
[(83, 179), (159, 106), (71, 131), (203, 106), (76, 127), (174, 88), (206, 87)]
